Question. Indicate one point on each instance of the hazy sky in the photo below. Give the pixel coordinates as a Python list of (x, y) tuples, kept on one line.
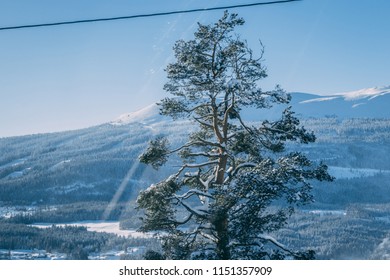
[(74, 76)]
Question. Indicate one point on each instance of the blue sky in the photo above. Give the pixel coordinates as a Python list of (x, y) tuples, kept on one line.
[(74, 76)]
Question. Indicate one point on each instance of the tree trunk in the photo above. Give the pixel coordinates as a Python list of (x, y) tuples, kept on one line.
[(221, 226), (220, 176), (221, 217)]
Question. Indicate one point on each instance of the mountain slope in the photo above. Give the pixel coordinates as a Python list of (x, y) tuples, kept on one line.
[(365, 103), (97, 162), (94, 173)]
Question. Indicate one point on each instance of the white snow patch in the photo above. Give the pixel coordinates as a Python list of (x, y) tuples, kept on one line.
[(100, 226), (14, 163), (17, 174), (319, 99), (234, 83), (12, 211), (146, 115), (71, 188), (349, 173), (364, 93), (369, 93), (357, 105), (328, 212), (59, 165)]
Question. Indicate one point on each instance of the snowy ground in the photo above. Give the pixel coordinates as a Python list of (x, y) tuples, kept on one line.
[(328, 212), (97, 226), (349, 173), (101, 226), (11, 211), (43, 255), (30, 255)]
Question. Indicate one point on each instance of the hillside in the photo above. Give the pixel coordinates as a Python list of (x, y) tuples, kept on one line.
[(365, 103), (94, 173), (91, 164)]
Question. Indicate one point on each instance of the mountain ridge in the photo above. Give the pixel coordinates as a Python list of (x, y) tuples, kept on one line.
[(364, 103)]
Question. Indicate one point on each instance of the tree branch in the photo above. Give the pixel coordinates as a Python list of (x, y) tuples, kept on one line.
[(190, 193), (197, 165), (203, 123), (278, 244), (243, 165), (190, 209)]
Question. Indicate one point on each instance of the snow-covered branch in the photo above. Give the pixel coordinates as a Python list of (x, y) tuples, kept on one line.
[(208, 236), (204, 142), (195, 165), (201, 213), (206, 183), (277, 131), (243, 165), (186, 220), (192, 192), (203, 123), (272, 240), (198, 142)]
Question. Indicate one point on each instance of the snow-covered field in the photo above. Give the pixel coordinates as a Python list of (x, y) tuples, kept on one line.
[(97, 226), (100, 226), (349, 173), (328, 212)]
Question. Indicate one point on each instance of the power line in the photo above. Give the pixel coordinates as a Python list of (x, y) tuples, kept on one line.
[(143, 15)]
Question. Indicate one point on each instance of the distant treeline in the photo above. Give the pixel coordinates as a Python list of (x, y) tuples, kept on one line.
[(76, 242), (73, 212), (362, 232), (343, 192), (91, 164), (336, 130)]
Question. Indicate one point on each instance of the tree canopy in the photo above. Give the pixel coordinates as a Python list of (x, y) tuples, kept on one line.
[(238, 181)]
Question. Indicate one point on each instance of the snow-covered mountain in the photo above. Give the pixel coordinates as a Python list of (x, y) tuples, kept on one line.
[(67, 173), (365, 103), (90, 164), (369, 93), (149, 114)]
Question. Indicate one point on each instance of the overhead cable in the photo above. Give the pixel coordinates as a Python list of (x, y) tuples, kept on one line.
[(143, 15)]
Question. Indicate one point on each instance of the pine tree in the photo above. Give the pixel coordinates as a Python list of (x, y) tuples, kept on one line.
[(238, 182)]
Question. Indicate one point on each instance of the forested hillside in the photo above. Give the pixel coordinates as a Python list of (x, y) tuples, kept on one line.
[(94, 174)]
